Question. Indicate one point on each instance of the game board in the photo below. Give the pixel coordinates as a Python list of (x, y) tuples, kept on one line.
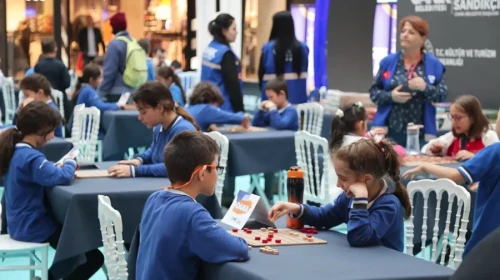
[(420, 159), (85, 174), (242, 129), (276, 237)]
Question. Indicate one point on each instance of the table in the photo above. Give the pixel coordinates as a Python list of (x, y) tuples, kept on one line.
[(335, 260), (75, 207)]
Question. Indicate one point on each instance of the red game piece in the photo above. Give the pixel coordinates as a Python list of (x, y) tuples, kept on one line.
[(270, 235), (275, 230), (303, 230), (257, 237), (309, 230), (269, 239), (264, 241), (235, 230), (249, 231), (277, 241), (308, 236), (245, 229), (314, 231)]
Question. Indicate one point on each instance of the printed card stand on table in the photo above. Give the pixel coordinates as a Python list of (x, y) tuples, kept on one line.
[(245, 206)]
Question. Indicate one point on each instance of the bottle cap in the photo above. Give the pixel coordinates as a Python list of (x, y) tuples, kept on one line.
[(295, 172)]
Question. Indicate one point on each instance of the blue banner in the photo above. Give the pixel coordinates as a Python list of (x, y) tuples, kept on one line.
[(320, 38)]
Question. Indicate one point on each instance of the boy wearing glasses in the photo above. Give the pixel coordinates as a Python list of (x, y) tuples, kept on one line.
[(177, 233)]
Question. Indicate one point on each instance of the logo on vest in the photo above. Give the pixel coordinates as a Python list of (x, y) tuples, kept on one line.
[(209, 53), (431, 78)]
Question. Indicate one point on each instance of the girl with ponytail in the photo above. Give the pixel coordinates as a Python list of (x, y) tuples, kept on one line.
[(157, 110), (168, 78), (374, 203)]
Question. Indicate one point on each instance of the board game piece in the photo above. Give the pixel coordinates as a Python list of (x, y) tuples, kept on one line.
[(310, 239), (305, 238), (415, 160), (264, 241), (235, 230), (314, 231), (276, 252), (271, 228), (275, 230), (270, 235), (245, 229), (263, 229), (309, 236), (85, 174), (277, 240), (303, 230), (291, 233), (286, 237), (257, 237), (249, 232)]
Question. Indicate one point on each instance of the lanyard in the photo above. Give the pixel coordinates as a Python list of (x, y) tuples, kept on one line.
[(413, 67)]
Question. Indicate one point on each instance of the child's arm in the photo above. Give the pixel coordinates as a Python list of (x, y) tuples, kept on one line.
[(327, 216), (150, 170), (212, 243), (443, 142), (261, 119), (215, 115), (47, 174), (288, 120), (96, 101), (147, 155)]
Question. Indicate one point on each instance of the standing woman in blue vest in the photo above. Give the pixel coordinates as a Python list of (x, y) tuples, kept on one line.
[(408, 83), (285, 57), (221, 66)]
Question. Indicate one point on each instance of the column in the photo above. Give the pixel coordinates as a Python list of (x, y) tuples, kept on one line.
[(134, 12), (205, 12)]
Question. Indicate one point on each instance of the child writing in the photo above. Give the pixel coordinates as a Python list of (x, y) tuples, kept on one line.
[(373, 214), (28, 173), (203, 106), (157, 110), (168, 78), (37, 87), (176, 232), (469, 134), (483, 168), (277, 112)]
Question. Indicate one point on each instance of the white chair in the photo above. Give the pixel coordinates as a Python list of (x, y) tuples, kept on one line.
[(251, 103), (110, 221), (9, 98), (59, 100), (189, 80), (308, 149), (311, 117), (10, 248), (72, 85), (84, 133), (223, 143), (457, 241), (332, 101)]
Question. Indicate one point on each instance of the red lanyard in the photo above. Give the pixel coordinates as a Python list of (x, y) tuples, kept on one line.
[(413, 67)]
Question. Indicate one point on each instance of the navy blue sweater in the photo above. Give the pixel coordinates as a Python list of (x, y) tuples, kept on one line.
[(283, 119), (177, 234), (207, 114)]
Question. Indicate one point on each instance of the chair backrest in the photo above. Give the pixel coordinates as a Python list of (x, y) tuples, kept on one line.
[(189, 80), (84, 132), (59, 100), (311, 117), (110, 221), (251, 103), (457, 242), (332, 101), (224, 151), (9, 98), (72, 85), (311, 151)]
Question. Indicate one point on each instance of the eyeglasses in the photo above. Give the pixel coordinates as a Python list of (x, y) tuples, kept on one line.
[(456, 117), (220, 170)]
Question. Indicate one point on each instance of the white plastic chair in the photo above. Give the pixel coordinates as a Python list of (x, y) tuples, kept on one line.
[(59, 100), (311, 115), (10, 248), (189, 80), (224, 151), (72, 85), (9, 98), (308, 149), (332, 101), (110, 221), (457, 242), (84, 133)]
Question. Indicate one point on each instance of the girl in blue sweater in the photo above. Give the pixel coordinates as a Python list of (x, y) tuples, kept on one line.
[(157, 110), (28, 174), (37, 87), (374, 214), (168, 78), (204, 107)]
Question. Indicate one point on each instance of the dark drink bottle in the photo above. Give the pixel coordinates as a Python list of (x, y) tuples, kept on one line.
[(295, 189)]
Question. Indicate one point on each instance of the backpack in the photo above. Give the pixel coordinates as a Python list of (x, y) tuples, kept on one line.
[(136, 69)]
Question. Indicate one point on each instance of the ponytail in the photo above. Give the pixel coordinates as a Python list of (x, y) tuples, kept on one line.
[(78, 87), (338, 132), (392, 166), (183, 113), (8, 140), (344, 122)]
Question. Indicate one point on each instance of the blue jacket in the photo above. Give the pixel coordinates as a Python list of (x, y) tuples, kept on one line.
[(211, 70), (207, 114), (284, 119), (115, 61), (151, 70), (88, 96), (434, 71), (152, 159), (176, 92), (297, 85), (58, 132)]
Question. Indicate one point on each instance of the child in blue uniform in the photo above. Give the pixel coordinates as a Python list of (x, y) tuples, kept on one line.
[(168, 78), (373, 214), (157, 110), (28, 173), (37, 87), (482, 168), (277, 112), (177, 233), (204, 107)]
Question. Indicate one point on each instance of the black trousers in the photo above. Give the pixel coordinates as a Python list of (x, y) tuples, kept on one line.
[(95, 260)]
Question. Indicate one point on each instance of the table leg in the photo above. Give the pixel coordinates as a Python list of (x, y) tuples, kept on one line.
[(255, 185)]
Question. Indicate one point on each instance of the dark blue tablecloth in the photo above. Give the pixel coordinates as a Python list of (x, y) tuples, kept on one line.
[(75, 207)]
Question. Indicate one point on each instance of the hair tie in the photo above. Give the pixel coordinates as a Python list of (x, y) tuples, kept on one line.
[(358, 104), (339, 113)]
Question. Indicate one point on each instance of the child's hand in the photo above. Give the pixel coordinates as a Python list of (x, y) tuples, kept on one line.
[(357, 190), (463, 155), (283, 208), (419, 170), (473, 187), (263, 104), (269, 105), (120, 171), (246, 122), (134, 162), (378, 131), (436, 147)]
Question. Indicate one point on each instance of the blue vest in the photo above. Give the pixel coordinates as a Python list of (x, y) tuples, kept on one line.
[(297, 86), (433, 69), (211, 70)]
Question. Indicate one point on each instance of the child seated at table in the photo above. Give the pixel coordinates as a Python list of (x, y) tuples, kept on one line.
[(27, 174), (374, 215), (483, 168), (203, 106), (470, 132), (177, 233), (37, 87), (277, 112), (157, 110), (168, 78)]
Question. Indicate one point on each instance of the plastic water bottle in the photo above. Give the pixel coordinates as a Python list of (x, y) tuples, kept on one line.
[(413, 139), (295, 189)]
